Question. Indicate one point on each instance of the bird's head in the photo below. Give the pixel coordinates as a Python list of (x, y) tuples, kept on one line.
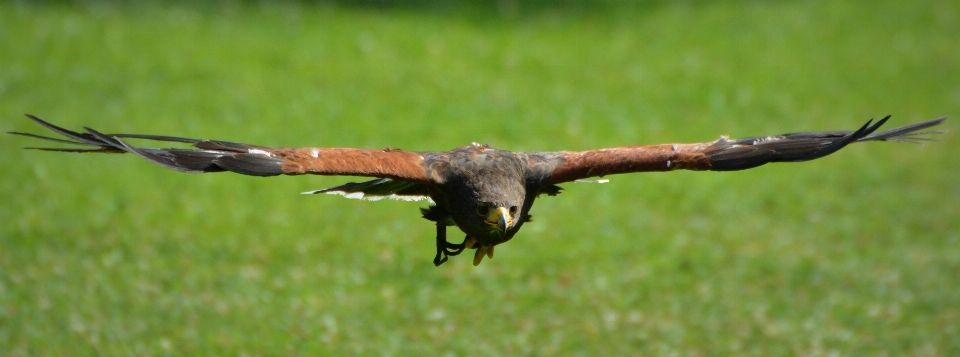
[(489, 222), (498, 218), (491, 212)]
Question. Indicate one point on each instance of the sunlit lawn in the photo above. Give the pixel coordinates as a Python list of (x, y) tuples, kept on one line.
[(854, 254)]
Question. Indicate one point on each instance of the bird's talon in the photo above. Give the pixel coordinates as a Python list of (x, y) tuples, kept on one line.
[(478, 256), (438, 260)]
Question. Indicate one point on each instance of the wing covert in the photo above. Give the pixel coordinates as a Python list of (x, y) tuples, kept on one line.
[(566, 166)]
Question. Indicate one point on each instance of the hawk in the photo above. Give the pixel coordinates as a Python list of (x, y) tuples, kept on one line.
[(487, 193)]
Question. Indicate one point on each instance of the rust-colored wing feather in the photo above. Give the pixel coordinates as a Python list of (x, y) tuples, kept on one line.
[(720, 155), (217, 156)]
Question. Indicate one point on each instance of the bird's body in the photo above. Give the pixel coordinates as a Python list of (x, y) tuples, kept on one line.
[(485, 192)]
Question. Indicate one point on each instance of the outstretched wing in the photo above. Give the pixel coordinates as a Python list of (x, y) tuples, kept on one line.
[(720, 155), (217, 156)]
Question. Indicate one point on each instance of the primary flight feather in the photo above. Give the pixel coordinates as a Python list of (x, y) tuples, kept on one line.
[(485, 192)]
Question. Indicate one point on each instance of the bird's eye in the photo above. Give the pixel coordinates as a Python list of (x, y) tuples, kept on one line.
[(483, 210), (513, 210)]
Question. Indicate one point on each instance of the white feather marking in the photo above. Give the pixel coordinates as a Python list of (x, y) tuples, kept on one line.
[(668, 163), (593, 181), (674, 147), (766, 138), (315, 152), (409, 198), (353, 195), (362, 196), (260, 152)]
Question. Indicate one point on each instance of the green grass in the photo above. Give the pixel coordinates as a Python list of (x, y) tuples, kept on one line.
[(854, 254)]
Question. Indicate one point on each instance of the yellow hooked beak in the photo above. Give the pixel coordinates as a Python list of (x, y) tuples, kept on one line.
[(500, 218)]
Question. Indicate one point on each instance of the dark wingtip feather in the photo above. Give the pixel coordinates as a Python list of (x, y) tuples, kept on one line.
[(100, 150), (210, 156), (175, 139), (251, 164), (41, 137), (154, 158), (904, 133), (82, 139), (753, 152), (105, 139)]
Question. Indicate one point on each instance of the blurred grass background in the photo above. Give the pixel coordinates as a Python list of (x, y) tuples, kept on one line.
[(854, 254)]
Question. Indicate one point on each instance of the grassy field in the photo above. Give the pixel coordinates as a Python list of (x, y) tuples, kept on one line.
[(855, 254)]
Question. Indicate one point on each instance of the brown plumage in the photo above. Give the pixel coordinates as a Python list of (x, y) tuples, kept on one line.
[(485, 192)]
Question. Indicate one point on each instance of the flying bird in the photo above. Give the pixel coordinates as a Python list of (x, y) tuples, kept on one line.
[(485, 192)]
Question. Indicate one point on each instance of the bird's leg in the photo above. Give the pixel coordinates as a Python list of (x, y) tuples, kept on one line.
[(441, 245), (445, 249), (483, 250)]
